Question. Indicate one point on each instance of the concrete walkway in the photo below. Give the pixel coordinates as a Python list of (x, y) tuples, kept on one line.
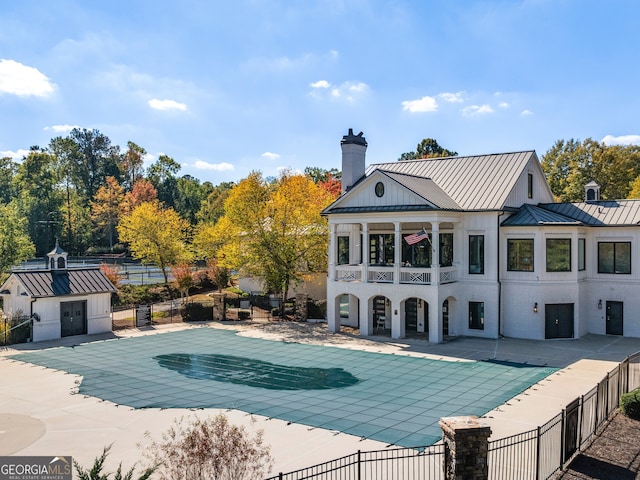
[(41, 415)]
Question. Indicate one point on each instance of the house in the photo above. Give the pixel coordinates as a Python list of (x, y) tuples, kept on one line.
[(477, 246), (61, 300)]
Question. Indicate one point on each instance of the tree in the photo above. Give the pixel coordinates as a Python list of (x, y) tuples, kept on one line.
[(189, 195), (112, 272), (183, 277), (635, 189), (132, 163), (156, 235), (162, 174), (428, 148), (106, 208), (15, 244), (8, 170), (212, 207), (272, 231), (210, 449), (142, 191), (570, 165)]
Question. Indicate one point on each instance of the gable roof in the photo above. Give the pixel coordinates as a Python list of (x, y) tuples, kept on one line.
[(480, 182), (425, 188), (47, 283)]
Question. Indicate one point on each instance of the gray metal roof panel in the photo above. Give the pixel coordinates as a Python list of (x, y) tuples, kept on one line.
[(529, 215), (601, 213), (45, 283), (481, 182), (426, 188)]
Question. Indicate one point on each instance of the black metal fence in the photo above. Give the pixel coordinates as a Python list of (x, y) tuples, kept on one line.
[(398, 463), (542, 452)]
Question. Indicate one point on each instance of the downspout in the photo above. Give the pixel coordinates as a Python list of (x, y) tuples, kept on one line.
[(498, 277)]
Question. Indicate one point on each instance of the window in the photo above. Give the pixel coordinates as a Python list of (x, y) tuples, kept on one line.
[(520, 255), (446, 249), (381, 249), (476, 254), (343, 250), (581, 255), (530, 185), (614, 257), (476, 315), (558, 254), (418, 254)]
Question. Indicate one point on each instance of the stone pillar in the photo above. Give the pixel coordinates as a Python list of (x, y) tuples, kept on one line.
[(219, 311), (301, 307), (465, 448)]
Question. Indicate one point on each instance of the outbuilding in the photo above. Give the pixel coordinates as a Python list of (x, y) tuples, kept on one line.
[(61, 300)]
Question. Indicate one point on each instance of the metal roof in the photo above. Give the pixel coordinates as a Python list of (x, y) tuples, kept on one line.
[(481, 182), (601, 213), (426, 188), (47, 283), (532, 215)]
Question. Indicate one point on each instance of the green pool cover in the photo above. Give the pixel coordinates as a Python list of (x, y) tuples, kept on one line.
[(390, 398)]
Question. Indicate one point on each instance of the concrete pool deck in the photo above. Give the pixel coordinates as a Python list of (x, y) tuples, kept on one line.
[(39, 415)]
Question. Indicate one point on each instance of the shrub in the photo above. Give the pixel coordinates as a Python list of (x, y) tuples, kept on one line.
[(196, 312), (209, 449), (630, 404), (95, 472), (317, 310)]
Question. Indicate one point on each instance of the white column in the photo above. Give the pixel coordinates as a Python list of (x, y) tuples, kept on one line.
[(355, 248), (435, 260), (365, 255), (364, 322), (397, 257), (332, 252)]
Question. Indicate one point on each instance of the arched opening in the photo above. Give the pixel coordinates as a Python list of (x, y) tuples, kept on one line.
[(445, 318), (380, 309), (416, 317)]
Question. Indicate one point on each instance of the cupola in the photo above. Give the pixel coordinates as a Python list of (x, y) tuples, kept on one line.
[(592, 192), (57, 258)]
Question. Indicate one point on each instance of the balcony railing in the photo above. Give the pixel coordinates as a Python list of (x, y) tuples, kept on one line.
[(385, 274)]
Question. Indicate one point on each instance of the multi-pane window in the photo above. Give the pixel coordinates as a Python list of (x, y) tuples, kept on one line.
[(614, 257), (520, 254), (418, 254), (446, 249), (558, 254), (582, 264), (343, 250), (476, 315), (381, 249), (476, 254)]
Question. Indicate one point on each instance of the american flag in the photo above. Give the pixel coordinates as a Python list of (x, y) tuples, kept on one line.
[(416, 237)]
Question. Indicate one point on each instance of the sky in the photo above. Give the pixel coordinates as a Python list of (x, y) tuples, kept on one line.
[(227, 87)]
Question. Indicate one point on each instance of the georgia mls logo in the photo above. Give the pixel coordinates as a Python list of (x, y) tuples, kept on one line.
[(36, 468)]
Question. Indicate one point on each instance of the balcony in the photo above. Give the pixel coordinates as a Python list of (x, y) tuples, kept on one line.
[(386, 274)]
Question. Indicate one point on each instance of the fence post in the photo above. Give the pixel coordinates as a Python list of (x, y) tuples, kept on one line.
[(219, 312), (466, 448), (359, 466), (538, 454)]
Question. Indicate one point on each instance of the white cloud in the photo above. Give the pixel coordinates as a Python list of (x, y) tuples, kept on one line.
[(503, 105), (320, 84), (166, 105), (425, 104), (452, 97), (218, 167), (526, 113), (347, 91), (61, 128), (621, 140), (271, 156), (473, 110), (23, 81), (18, 155)]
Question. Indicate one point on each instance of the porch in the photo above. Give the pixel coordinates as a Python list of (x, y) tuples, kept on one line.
[(393, 274)]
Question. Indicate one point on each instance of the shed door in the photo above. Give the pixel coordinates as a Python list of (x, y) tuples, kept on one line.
[(614, 318), (73, 318), (558, 320)]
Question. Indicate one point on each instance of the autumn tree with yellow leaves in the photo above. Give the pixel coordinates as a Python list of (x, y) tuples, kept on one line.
[(271, 230)]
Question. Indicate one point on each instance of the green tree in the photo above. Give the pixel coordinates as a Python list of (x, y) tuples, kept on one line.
[(428, 148), (8, 170), (570, 165), (106, 208), (15, 244), (156, 235), (212, 207), (162, 174), (189, 195)]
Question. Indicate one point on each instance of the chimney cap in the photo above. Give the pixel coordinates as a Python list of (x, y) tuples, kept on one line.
[(353, 139)]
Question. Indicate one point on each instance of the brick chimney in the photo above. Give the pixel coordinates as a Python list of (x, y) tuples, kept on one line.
[(354, 148)]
